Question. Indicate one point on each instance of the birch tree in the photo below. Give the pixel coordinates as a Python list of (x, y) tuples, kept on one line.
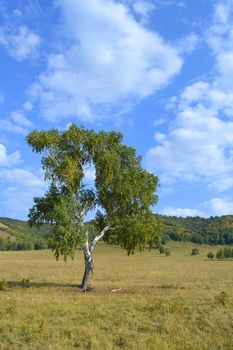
[(120, 197)]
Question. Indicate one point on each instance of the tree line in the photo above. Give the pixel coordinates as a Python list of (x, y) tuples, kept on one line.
[(213, 230), (222, 254), (23, 244)]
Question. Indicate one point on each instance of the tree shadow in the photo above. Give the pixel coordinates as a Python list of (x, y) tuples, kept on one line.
[(53, 285)]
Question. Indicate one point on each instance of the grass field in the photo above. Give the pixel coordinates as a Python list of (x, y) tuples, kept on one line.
[(145, 301)]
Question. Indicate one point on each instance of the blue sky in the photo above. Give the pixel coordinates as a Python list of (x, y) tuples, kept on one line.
[(161, 71)]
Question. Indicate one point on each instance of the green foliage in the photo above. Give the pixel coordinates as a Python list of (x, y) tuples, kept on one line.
[(28, 243), (224, 253), (162, 249), (18, 235), (220, 254), (25, 282), (21, 229), (228, 253), (3, 284), (222, 298), (210, 255), (214, 230), (123, 193), (167, 252), (195, 251)]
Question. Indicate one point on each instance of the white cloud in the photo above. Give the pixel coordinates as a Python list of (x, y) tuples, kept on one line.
[(20, 43), (221, 184), (143, 9), (8, 126), (183, 212), (218, 207), (28, 106), (199, 143), (21, 186), (213, 207), (17, 13), (195, 148), (8, 159), (20, 119), (222, 27), (110, 60), (17, 123), (22, 177), (159, 121)]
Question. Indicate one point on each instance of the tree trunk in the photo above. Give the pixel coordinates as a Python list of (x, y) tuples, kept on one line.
[(88, 268), (88, 258)]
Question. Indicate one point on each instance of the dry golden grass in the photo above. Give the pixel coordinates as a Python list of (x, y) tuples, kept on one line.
[(145, 301)]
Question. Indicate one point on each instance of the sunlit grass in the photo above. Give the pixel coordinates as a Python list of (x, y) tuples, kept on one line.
[(145, 301)]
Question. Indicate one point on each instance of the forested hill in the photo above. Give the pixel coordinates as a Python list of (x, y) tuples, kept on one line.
[(214, 230), (18, 235)]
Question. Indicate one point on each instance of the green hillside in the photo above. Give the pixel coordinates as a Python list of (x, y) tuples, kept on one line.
[(18, 235), (214, 230)]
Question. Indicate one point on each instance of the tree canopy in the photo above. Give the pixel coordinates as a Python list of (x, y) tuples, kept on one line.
[(121, 195)]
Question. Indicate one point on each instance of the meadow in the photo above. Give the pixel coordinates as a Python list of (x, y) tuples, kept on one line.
[(145, 301)]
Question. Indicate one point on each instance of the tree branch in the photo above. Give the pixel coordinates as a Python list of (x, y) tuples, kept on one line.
[(97, 238)]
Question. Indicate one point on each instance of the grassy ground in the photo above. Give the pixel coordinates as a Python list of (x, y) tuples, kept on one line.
[(145, 301)]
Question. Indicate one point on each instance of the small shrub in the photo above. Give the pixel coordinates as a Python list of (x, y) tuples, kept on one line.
[(3, 284), (165, 239), (220, 254), (161, 249), (226, 253), (195, 251), (222, 298), (40, 245), (210, 255), (167, 252), (25, 282)]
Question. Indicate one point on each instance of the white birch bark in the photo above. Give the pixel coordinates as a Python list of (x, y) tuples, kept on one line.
[(88, 260)]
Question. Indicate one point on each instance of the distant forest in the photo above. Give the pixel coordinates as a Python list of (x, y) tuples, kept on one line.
[(214, 230), (18, 235)]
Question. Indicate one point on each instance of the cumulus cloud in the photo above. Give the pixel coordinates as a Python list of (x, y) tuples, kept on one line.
[(8, 126), (28, 106), (20, 119), (22, 177), (7, 159), (183, 212), (143, 9), (218, 207), (17, 13), (110, 60), (21, 186), (17, 123), (199, 144), (213, 207), (20, 43), (195, 148)]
